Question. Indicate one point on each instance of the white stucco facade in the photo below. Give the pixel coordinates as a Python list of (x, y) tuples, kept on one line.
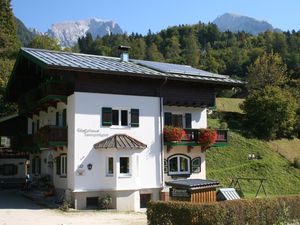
[(144, 165), (87, 168)]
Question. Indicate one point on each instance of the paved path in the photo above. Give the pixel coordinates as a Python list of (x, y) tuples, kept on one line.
[(17, 210)]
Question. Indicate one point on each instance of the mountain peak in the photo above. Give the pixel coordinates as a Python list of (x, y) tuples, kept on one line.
[(68, 32), (235, 23)]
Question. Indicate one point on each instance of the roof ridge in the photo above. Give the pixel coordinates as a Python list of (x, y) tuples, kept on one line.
[(68, 53)]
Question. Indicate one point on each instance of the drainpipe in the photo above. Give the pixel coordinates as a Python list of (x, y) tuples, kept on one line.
[(161, 128)]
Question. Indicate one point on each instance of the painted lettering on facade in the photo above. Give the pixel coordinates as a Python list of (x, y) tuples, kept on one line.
[(91, 133)]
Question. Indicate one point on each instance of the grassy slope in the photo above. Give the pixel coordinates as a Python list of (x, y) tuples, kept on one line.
[(232, 161), (229, 104), (287, 148), (226, 163)]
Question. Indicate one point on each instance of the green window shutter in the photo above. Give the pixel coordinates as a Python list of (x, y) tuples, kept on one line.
[(135, 117), (64, 117), (58, 165), (188, 120), (168, 119), (106, 116)]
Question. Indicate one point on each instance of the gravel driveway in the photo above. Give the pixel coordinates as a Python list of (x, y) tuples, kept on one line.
[(15, 210)]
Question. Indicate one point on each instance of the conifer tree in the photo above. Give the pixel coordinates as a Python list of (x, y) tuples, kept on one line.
[(9, 43)]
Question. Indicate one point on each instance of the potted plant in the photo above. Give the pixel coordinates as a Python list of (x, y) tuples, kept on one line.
[(173, 134), (207, 137)]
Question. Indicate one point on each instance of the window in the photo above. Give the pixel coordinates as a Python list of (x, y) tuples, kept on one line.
[(36, 166), (32, 128), (124, 118), (124, 165), (179, 165), (115, 117), (176, 120), (196, 165), (120, 117), (8, 169), (110, 166), (61, 165), (57, 118)]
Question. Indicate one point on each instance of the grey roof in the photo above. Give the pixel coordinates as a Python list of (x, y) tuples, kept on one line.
[(120, 142), (192, 183), (76, 61), (227, 194)]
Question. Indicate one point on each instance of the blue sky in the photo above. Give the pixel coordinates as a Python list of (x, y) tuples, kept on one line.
[(141, 15)]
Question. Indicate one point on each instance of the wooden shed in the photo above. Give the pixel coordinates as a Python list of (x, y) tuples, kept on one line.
[(193, 190)]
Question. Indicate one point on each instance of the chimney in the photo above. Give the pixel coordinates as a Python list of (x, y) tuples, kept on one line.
[(124, 53)]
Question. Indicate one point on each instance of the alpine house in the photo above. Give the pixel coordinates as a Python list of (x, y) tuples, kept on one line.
[(95, 123)]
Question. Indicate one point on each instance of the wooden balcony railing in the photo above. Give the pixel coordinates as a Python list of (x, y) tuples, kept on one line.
[(49, 135), (38, 96), (192, 137)]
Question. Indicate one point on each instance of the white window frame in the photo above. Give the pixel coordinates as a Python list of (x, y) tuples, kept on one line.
[(63, 165), (178, 172), (108, 174), (120, 117), (129, 167)]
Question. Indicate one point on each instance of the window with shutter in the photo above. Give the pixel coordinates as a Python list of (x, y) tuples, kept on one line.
[(168, 119), (188, 120), (135, 120), (106, 116)]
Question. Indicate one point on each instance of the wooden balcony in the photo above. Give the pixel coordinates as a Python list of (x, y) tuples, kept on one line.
[(51, 136), (24, 143), (46, 94), (191, 138)]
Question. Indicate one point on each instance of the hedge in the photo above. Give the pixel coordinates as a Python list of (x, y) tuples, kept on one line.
[(262, 211)]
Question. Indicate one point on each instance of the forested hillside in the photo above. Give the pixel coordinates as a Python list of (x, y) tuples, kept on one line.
[(203, 46)]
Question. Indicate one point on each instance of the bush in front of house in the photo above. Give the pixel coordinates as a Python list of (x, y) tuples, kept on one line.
[(105, 202), (263, 211)]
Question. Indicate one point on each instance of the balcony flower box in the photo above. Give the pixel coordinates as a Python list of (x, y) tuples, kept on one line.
[(207, 138), (173, 134)]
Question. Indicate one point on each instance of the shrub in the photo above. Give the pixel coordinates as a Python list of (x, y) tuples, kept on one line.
[(296, 163), (173, 133), (263, 211), (269, 114), (223, 125), (105, 202)]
